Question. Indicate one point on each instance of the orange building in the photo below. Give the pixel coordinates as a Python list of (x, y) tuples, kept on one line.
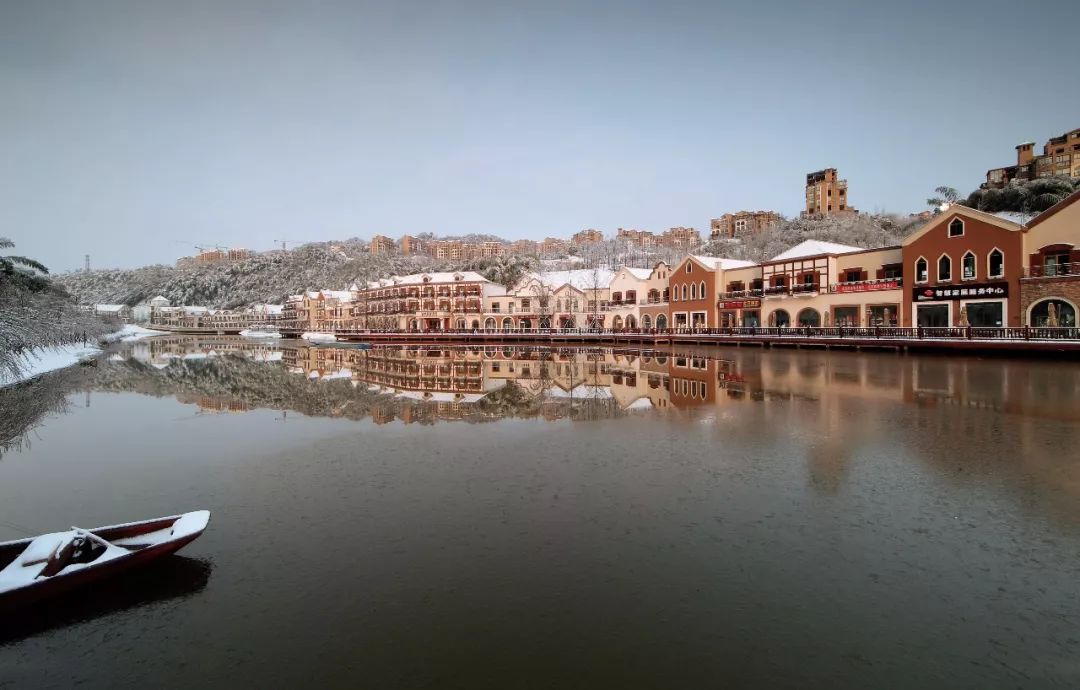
[(826, 195)]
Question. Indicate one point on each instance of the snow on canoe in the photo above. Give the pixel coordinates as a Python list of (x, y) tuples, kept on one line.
[(32, 569)]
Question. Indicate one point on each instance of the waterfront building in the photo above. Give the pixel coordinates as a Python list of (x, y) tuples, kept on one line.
[(1060, 157), (816, 283), (553, 299), (1050, 286), (381, 244), (742, 223), (694, 286), (965, 267), (826, 194), (639, 296), (425, 301)]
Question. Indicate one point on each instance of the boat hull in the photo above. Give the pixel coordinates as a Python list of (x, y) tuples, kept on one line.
[(46, 588)]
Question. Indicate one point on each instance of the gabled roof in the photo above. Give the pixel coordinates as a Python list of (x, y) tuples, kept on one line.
[(582, 278), (815, 248), (713, 262), (958, 210), (639, 273), (1056, 208)]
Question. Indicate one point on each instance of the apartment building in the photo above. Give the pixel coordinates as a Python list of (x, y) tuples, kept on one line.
[(553, 299), (554, 245), (639, 297), (381, 245), (679, 238), (1060, 157), (826, 194), (589, 236), (742, 223), (424, 302), (411, 246), (525, 247), (642, 239)]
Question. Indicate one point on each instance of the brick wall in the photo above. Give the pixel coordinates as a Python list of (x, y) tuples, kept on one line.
[(1031, 291)]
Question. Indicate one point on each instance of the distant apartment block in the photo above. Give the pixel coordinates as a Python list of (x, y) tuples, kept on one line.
[(742, 223), (1060, 157), (554, 245), (589, 236), (411, 245), (380, 244), (525, 247), (638, 238), (826, 194), (679, 238)]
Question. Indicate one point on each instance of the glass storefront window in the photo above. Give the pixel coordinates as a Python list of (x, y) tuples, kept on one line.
[(1063, 313), (751, 319), (883, 315), (986, 314), (932, 315), (846, 316)]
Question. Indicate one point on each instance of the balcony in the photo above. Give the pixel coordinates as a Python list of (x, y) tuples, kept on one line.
[(744, 294), (1061, 270)]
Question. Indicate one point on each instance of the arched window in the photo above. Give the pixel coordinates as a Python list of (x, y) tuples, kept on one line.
[(661, 321), (968, 266), (809, 317), (921, 271), (507, 323), (684, 292), (489, 323), (701, 290), (689, 266), (646, 321), (780, 318), (956, 228), (944, 268), (693, 291), (1052, 312), (995, 264)]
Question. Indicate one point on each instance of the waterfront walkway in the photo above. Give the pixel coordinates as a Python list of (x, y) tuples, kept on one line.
[(977, 339)]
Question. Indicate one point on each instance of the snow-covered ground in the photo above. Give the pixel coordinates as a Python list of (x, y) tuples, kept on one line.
[(42, 360), (130, 333), (318, 337)]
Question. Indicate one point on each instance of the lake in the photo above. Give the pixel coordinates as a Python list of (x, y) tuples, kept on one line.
[(550, 518)]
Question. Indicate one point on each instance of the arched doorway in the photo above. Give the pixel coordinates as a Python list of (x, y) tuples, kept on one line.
[(545, 323), (646, 322), (489, 324), (616, 323), (1064, 313), (460, 325), (414, 325), (631, 322), (780, 319), (809, 317), (567, 322), (525, 324), (661, 321), (507, 323)]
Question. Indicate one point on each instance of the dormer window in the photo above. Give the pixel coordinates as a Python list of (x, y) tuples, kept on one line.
[(689, 266), (956, 228)]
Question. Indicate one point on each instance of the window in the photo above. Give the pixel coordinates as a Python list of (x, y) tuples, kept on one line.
[(968, 266), (684, 292), (852, 276), (1056, 264), (995, 264), (956, 228), (689, 266), (1053, 313), (494, 307), (693, 291), (944, 268), (809, 317), (701, 289)]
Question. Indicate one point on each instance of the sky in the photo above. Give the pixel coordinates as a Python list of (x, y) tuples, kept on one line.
[(132, 131)]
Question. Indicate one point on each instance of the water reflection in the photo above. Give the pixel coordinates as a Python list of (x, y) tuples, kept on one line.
[(175, 577), (230, 375)]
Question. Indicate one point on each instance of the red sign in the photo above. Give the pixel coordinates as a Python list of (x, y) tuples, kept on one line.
[(740, 304), (868, 287)]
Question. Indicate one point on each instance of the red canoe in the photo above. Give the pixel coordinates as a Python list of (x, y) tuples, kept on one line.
[(33, 569)]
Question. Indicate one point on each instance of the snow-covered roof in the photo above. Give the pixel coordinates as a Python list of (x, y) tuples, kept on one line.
[(1013, 216), (714, 262), (581, 278), (432, 278), (195, 310), (269, 308), (815, 248), (109, 307), (639, 273)]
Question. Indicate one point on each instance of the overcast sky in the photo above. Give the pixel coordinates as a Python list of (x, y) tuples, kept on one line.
[(128, 129)]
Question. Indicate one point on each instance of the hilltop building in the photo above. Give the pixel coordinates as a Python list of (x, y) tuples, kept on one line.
[(826, 194), (742, 223), (1060, 157)]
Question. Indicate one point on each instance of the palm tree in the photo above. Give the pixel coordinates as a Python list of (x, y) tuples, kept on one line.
[(22, 272), (945, 196)]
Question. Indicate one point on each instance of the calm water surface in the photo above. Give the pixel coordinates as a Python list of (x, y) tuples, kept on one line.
[(511, 518)]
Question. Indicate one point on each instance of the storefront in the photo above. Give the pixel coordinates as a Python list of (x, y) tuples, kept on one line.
[(744, 312), (975, 304)]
